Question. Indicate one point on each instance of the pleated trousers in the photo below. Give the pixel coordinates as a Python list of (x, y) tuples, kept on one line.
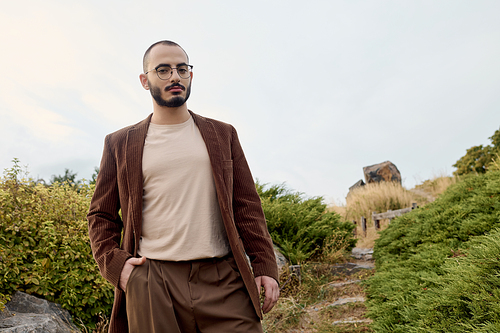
[(201, 296)]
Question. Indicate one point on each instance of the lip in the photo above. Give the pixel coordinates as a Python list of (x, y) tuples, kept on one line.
[(175, 89)]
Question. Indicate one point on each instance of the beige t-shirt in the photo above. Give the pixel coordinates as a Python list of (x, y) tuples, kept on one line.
[(181, 214)]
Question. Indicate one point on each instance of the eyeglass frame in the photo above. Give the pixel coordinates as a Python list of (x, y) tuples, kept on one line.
[(190, 67)]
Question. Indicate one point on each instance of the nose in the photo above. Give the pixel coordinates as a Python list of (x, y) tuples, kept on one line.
[(175, 76)]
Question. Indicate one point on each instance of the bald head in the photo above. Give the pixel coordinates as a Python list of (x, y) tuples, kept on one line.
[(145, 59)]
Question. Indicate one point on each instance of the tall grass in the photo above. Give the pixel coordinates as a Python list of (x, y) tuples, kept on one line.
[(384, 196), (436, 185), (495, 164), (379, 197)]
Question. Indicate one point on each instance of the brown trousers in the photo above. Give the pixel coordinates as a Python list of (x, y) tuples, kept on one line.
[(201, 296)]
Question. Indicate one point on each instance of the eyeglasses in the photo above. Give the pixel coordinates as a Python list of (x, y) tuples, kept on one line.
[(165, 72)]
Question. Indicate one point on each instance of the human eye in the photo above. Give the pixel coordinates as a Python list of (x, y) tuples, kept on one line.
[(164, 70)]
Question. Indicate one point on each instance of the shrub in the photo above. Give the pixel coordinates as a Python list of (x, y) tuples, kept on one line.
[(411, 252), (44, 246), (466, 298), (478, 158), (301, 226), (45, 249)]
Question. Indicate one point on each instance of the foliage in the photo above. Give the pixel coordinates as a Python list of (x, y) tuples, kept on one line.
[(44, 245), (45, 250), (68, 177), (94, 175), (495, 164), (478, 158), (411, 252), (300, 226), (466, 298)]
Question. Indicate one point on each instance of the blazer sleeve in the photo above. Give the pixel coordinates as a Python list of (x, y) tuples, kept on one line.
[(249, 216), (104, 221)]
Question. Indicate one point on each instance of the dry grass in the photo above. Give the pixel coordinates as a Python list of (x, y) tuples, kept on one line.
[(379, 197), (353, 311), (305, 307), (384, 196), (102, 325), (436, 185), (495, 164), (334, 250)]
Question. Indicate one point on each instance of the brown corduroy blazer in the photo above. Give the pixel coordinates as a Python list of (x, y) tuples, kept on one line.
[(120, 184)]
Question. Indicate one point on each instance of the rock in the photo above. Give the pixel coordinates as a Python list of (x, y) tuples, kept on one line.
[(349, 268), (342, 301), (280, 259), (5, 314), (352, 320), (362, 254), (385, 171), (26, 313), (341, 284), (359, 183)]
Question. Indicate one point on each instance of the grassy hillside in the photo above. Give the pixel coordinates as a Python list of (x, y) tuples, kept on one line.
[(414, 252), (384, 196), (466, 298)]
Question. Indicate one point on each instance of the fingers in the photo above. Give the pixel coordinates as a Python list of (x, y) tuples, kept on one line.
[(271, 297), (136, 261), (258, 282), (271, 292), (128, 267)]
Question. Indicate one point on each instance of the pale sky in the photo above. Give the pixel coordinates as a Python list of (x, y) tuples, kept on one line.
[(317, 90)]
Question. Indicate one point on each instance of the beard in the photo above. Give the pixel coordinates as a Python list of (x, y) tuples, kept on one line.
[(173, 102)]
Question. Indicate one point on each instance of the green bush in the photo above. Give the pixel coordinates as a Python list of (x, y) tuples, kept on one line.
[(45, 249), (301, 227), (411, 252), (44, 246), (467, 297), (478, 158)]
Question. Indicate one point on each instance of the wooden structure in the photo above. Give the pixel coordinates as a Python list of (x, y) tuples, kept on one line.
[(376, 217), (390, 214), (363, 226)]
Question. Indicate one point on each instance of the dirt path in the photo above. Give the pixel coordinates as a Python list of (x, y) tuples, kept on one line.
[(344, 309)]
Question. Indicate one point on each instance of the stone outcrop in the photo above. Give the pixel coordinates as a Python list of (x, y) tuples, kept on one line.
[(362, 254), (385, 171), (26, 313), (359, 183), (280, 259)]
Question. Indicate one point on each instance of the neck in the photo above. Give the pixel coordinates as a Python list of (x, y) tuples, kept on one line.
[(163, 115)]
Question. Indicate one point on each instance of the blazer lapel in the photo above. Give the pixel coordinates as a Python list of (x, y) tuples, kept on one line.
[(136, 137), (209, 135)]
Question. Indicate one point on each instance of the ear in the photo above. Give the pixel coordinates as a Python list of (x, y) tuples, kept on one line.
[(144, 81)]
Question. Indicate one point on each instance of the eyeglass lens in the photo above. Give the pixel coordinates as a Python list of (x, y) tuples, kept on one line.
[(165, 72)]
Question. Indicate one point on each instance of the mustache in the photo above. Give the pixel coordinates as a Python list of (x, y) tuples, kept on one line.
[(175, 85)]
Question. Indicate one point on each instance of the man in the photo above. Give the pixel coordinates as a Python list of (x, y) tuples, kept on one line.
[(189, 213)]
